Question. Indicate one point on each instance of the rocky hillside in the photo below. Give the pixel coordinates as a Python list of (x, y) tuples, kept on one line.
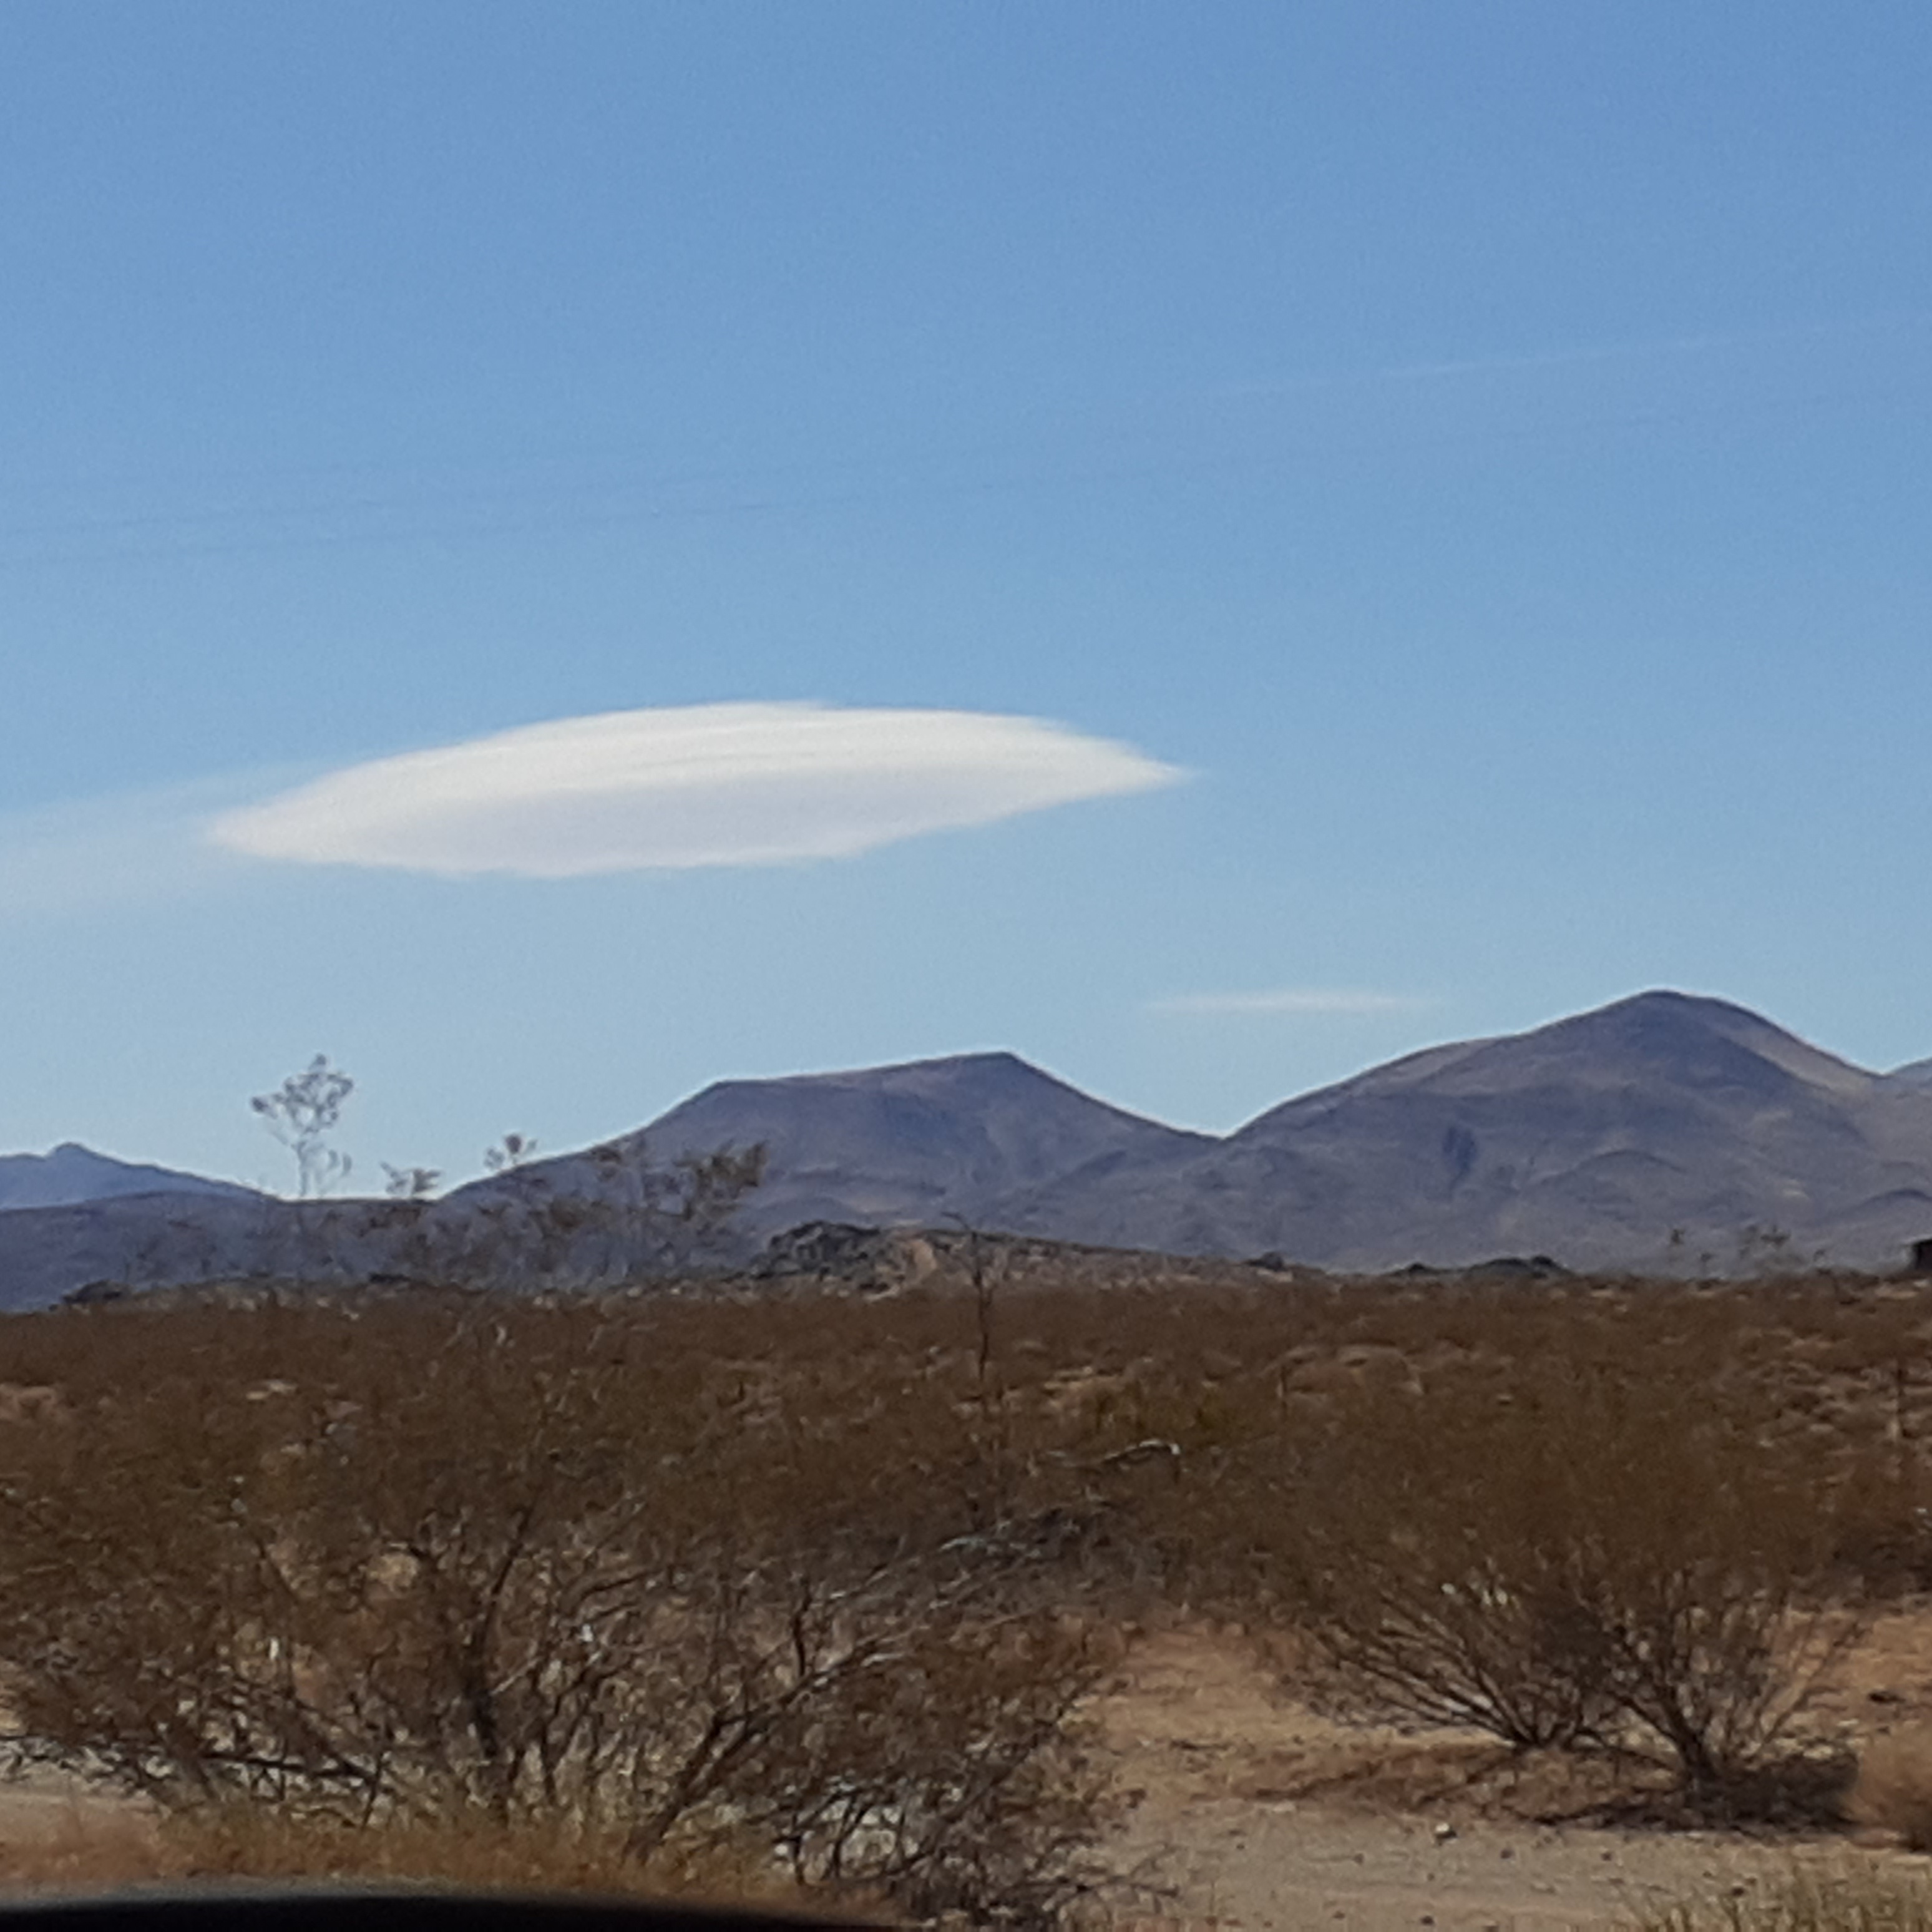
[(1654, 1132), (902, 1145), (1663, 1132)]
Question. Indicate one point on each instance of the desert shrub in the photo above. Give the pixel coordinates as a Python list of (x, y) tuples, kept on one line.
[(551, 1566), (1423, 1577), (1558, 1556), (814, 1581), (1809, 1901)]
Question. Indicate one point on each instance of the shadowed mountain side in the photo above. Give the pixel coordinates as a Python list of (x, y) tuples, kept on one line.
[(908, 1145), (904, 1145), (144, 1240), (1592, 1139), (72, 1173), (1663, 1132), (514, 1235)]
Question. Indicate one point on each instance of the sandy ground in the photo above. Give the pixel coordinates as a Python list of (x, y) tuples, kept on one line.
[(1253, 1812), (1236, 1864), (1248, 1811), (57, 1833)]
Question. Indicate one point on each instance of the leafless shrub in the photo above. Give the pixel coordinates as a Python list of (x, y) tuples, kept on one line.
[(814, 1584), (619, 1216), (522, 1565), (1557, 1556), (1435, 1592), (1809, 1901), (301, 1113)]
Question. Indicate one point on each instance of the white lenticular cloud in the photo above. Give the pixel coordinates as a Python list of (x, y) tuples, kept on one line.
[(709, 785), (1291, 1000)]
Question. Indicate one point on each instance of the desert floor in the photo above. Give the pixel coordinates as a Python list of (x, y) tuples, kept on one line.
[(1249, 1810), (1257, 1812)]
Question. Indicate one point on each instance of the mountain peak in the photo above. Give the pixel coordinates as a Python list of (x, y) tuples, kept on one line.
[(914, 1142), (1658, 1130), (983, 1075), (1659, 1039), (1661, 1026), (70, 1175), (994, 1063), (1668, 999)]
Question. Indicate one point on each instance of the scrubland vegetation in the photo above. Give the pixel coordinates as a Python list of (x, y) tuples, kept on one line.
[(1810, 1904), (804, 1594)]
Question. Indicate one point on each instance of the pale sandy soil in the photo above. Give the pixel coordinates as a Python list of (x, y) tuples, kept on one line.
[(58, 1834), (1256, 1812), (1250, 1811)]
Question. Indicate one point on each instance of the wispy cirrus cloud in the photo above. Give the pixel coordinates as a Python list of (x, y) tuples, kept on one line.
[(1305, 1000), (125, 848), (677, 788)]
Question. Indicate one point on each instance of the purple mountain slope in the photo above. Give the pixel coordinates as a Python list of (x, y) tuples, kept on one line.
[(910, 1143), (1651, 1133), (1664, 1131), (71, 1174)]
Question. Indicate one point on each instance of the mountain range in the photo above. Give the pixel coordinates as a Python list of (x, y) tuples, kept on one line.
[(1664, 1131), (72, 1174)]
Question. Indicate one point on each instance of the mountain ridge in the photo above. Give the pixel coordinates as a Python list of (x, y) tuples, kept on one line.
[(1593, 1136), (1667, 1130), (923, 1140), (69, 1175)]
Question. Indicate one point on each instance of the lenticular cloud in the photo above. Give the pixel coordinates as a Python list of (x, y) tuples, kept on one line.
[(712, 785)]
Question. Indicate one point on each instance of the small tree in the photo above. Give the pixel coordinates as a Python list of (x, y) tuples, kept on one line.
[(301, 1113)]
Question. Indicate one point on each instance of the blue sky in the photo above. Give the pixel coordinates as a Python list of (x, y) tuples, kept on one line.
[(1453, 476)]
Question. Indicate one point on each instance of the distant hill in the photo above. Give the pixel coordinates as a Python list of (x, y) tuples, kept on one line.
[(908, 1145), (72, 1174), (1662, 1133), (1591, 1139)]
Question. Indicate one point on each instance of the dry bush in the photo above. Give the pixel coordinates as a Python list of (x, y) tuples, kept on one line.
[(1585, 1512), (827, 1576), (1810, 1901), (416, 1564), (1894, 1791), (1429, 1579), (1558, 1555)]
